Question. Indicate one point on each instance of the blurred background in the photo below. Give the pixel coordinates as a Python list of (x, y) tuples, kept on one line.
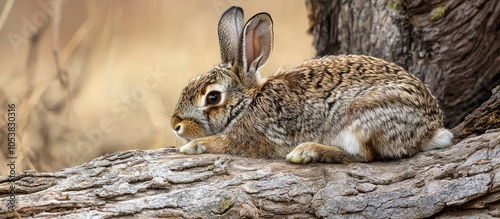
[(93, 77)]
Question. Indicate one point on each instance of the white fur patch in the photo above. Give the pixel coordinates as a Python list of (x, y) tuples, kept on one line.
[(441, 140), (348, 141)]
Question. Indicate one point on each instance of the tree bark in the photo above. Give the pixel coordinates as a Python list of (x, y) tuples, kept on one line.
[(461, 180), (451, 45), (483, 119)]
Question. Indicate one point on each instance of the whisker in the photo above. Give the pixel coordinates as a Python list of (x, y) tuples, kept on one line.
[(169, 137), (158, 113)]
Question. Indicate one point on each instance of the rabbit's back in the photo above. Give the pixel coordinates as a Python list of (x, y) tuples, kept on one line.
[(342, 80)]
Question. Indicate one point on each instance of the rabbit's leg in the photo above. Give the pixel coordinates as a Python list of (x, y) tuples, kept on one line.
[(216, 144), (248, 145), (316, 152)]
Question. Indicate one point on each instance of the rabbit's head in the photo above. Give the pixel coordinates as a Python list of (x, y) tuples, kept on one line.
[(210, 103)]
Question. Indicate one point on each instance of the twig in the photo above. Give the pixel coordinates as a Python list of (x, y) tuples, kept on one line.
[(75, 41), (56, 21), (31, 98), (5, 12), (62, 74), (114, 38)]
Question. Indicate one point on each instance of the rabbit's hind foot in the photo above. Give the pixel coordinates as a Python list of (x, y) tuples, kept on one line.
[(314, 152)]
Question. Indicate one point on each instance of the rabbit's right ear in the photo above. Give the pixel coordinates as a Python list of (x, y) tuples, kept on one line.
[(229, 31), (254, 48)]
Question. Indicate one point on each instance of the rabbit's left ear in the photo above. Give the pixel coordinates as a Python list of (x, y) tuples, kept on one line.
[(255, 47), (229, 31)]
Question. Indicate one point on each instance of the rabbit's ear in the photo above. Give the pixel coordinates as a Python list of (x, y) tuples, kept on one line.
[(255, 47), (229, 31)]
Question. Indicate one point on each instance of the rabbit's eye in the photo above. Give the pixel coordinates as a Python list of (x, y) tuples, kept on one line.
[(213, 98)]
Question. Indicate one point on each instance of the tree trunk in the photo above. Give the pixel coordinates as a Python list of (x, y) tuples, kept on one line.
[(451, 45)]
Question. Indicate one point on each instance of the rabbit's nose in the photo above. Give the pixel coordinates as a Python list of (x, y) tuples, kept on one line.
[(176, 124), (178, 127)]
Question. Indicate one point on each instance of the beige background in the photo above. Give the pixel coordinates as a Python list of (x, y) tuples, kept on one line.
[(126, 62)]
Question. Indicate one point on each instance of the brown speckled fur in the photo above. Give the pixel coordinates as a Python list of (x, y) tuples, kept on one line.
[(303, 111)]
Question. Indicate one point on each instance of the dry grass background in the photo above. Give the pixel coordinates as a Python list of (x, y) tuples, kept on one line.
[(101, 76)]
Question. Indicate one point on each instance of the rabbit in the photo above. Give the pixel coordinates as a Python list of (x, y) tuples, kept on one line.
[(345, 108)]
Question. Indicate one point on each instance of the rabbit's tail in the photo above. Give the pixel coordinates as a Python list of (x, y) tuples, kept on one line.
[(442, 138)]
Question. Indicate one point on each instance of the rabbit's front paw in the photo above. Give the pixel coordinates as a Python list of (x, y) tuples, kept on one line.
[(304, 153), (193, 147)]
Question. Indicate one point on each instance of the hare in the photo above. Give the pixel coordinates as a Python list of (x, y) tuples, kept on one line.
[(346, 108)]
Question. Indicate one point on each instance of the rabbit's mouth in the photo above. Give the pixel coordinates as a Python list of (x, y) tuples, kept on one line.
[(185, 138), (186, 128)]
